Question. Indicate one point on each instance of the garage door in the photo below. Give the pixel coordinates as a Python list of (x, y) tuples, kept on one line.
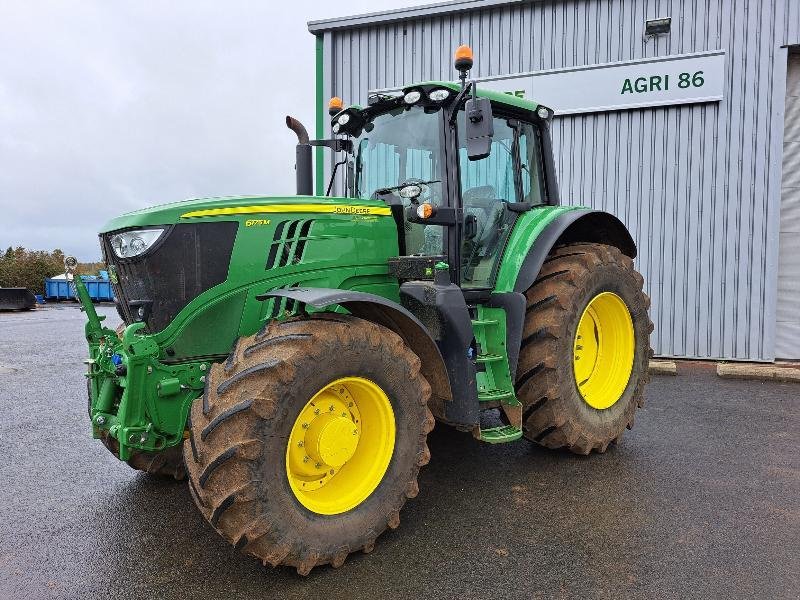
[(787, 339)]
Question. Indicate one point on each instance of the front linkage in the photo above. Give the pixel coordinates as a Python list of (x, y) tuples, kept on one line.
[(129, 387)]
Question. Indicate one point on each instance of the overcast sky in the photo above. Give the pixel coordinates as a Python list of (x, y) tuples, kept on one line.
[(112, 105)]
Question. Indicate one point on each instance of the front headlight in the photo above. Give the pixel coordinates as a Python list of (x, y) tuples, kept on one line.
[(133, 243)]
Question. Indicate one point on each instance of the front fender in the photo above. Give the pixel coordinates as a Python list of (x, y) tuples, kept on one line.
[(389, 314)]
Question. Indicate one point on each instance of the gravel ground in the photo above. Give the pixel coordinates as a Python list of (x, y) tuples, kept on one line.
[(700, 500)]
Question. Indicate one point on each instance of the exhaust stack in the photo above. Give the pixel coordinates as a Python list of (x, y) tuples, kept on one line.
[(303, 165)]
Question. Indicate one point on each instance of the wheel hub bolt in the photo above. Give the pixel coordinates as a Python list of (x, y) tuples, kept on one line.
[(300, 444), (101, 420), (306, 459), (316, 411), (317, 465), (330, 408)]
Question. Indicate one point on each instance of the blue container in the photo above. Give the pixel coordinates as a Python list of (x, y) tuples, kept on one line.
[(57, 289), (39, 299), (99, 291), (60, 289)]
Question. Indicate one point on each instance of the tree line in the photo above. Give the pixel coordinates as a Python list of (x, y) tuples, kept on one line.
[(20, 267)]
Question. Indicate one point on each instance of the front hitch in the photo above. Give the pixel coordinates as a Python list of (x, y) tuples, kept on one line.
[(136, 399)]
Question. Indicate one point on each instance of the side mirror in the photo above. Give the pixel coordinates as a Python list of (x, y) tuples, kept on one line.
[(479, 127)]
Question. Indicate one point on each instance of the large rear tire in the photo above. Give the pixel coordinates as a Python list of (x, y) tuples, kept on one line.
[(587, 304), (308, 440)]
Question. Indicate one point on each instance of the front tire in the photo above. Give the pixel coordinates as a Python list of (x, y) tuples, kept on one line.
[(271, 457), (587, 304)]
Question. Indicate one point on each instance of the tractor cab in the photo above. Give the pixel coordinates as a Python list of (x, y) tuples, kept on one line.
[(457, 165)]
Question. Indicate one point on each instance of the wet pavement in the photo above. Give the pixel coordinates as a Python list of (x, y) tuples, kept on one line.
[(700, 500)]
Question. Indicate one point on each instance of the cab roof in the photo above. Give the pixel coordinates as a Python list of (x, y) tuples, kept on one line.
[(496, 97), (499, 97)]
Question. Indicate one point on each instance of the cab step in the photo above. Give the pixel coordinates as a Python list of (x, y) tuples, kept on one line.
[(489, 395), (487, 358), (500, 435), (484, 322)]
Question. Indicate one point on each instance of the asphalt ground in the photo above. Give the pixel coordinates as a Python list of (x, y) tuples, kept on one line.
[(700, 500)]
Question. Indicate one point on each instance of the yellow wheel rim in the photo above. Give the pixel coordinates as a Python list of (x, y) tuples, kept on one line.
[(340, 446), (603, 350)]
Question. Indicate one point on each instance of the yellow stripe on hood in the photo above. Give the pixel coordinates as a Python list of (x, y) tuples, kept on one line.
[(339, 209)]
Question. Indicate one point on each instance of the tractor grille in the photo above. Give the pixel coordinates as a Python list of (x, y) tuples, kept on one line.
[(190, 259), (288, 243)]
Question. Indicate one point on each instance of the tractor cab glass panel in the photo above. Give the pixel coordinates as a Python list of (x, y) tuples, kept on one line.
[(487, 185), (397, 148), (532, 168)]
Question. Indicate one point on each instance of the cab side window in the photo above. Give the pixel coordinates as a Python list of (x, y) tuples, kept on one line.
[(492, 177), (530, 154)]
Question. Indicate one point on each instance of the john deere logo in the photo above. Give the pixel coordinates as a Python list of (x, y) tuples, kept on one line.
[(353, 210)]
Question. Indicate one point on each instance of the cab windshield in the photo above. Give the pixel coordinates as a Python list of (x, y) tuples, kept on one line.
[(399, 147)]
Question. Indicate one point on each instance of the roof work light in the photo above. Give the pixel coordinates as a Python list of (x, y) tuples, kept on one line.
[(463, 58)]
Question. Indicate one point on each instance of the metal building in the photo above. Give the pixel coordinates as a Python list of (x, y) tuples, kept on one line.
[(682, 117)]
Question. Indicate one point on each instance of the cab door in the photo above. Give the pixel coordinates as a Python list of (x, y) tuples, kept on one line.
[(494, 190)]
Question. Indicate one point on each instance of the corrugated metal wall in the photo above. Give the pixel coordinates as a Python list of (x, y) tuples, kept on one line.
[(698, 185), (788, 311)]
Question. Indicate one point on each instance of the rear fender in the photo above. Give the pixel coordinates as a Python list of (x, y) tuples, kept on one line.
[(581, 225)]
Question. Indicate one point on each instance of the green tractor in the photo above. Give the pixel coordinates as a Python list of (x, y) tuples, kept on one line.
[(289, 356)]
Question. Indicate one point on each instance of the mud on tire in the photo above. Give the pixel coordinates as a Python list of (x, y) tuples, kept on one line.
[(236, 452), (167, 463), (554, 413)]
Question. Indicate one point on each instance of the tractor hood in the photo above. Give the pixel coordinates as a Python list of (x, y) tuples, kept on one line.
[(190, 210)]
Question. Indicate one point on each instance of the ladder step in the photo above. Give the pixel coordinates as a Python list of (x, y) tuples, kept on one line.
[(487, 358), (485, 322), (495, 395), (500, 435)]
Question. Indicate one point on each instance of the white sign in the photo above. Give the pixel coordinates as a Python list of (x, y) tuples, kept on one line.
[(679, 79)]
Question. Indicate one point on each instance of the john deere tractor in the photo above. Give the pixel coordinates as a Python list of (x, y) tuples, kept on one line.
[(290, 355)]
